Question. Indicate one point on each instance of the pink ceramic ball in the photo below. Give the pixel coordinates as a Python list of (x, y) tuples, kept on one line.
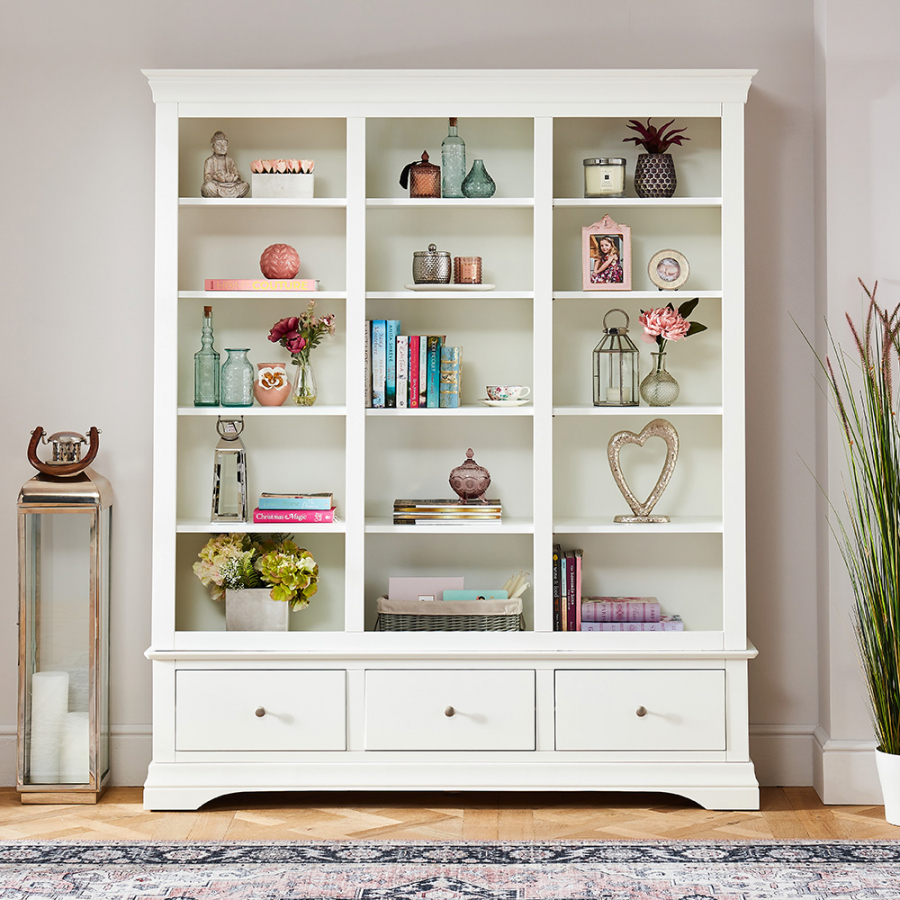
[(279, 261)]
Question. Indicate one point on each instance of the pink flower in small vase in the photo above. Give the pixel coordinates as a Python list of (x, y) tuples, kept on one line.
[(665, 323), (282, 328)]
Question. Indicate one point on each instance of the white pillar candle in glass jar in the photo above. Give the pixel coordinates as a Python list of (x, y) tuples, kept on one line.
[(604, 177)]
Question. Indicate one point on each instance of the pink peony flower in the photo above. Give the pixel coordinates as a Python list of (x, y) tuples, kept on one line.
[(665, 323)]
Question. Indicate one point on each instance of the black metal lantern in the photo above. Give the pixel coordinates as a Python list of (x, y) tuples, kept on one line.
[(64, 522), (616, 366), (229, 496)]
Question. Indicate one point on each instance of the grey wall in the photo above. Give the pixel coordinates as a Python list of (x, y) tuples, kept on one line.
[(77, 164)]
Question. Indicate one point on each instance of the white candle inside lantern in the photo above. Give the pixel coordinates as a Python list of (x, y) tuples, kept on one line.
[(49, 705), (74, 752)]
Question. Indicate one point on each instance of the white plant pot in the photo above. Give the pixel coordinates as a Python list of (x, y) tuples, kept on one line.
[(284, 186), (254, 609), (888, 765)]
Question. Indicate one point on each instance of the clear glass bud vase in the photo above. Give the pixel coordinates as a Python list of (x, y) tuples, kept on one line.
[(304, 390), (659, 388)]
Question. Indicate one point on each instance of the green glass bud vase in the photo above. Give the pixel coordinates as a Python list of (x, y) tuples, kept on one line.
[(478, 183)]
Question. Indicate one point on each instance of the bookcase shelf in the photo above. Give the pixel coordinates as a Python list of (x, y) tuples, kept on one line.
[(547, 459)]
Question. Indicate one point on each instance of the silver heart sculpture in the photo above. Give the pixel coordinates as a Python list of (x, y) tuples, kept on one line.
[(657, 428)]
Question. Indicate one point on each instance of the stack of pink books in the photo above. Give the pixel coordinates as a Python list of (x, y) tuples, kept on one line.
[(626, 614), (304, 509)]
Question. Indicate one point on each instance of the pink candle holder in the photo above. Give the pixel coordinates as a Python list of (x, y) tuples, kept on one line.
[(467, 269)]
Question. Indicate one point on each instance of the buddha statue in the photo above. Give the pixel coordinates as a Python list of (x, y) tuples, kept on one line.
[(220, 175)]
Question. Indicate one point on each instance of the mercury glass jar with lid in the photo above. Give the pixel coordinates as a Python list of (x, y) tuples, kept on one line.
[(604, 177), (431, 266)]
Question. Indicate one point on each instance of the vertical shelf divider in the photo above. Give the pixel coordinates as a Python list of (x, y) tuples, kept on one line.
[(542, 337), (355, 441)]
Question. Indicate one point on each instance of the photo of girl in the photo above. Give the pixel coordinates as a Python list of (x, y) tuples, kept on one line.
[(606, 256), (606, 259)]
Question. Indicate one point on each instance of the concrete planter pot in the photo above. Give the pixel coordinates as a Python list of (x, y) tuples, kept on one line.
[(253, 609), (293, 186)]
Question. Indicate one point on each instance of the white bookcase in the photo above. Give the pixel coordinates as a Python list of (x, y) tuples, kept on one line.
[(351, 708)]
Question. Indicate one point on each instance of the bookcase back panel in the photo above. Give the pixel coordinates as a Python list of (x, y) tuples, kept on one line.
[(695, 362), (246, 323), (300, 454), (195, 610), (584, 485), (485, 563), (694, 232), (501, 237), (506, 145), (412, 457), (698, 162), (495, 334), (227, 242), (683, 571), (322, 140)]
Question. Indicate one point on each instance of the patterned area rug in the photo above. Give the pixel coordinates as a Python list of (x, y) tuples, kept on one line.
[(651, 870)]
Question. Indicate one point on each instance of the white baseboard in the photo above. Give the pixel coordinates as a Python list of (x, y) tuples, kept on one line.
[(842, 772), (129, 751)]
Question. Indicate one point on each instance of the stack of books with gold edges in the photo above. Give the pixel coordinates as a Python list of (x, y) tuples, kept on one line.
[(447, 512)]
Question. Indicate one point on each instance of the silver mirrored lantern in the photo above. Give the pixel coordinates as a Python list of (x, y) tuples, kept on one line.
[(616, 366)]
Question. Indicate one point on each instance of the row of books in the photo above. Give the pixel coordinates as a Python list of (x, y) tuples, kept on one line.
[(572, 611), (447, 512), (409, 371), (304, 509)]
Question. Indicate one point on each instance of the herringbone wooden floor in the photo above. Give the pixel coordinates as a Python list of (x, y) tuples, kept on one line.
[(786, 813)]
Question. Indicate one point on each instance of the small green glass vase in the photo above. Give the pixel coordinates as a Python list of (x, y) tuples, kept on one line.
[(478, 183)]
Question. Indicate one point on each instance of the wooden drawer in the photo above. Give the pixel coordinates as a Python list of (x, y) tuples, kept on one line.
[(640, 709), (488, 709), (219, 709)]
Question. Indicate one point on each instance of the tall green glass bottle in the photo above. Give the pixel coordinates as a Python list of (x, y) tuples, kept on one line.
[(206, 365), (453, 163)]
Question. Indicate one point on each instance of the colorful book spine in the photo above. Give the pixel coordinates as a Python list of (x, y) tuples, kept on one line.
[(379, 361), (302, 516), (578, 560), (557, 625), (571, 596), (296, 501), (620, 609), (451, 359), (563, 593), (414, 371), (402, 371), (368, 369), (392, 329), (260, 284), (423, 370), (667, 623), (434, 372)]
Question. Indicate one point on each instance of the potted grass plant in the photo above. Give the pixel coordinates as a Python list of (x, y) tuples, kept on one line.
[(861, 384)]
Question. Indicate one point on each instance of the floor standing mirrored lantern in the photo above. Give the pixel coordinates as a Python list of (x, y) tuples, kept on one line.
[(616, 366), (65, 515)]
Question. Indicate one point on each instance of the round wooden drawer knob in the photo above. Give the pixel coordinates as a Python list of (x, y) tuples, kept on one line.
[(449, 711), (260, 711), (641, 711)]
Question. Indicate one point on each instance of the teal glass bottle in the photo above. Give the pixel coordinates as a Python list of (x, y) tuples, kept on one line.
[(453, 163), (206, 365), (237, 378), (478, 183)]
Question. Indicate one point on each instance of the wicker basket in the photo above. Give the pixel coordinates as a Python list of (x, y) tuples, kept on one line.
[(457, 615)]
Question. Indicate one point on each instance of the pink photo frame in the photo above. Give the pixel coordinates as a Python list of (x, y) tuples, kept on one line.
[(606, 256)]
